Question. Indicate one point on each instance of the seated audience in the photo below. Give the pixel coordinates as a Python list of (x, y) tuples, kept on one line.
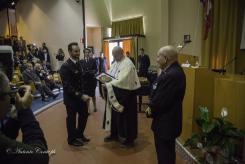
[(45, 77), (30, 76)]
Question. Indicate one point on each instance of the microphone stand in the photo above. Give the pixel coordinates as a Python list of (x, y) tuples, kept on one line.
[(227, 64), (222, 71)]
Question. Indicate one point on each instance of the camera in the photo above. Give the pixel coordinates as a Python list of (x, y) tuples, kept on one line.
[(21, 92), (7, 61)]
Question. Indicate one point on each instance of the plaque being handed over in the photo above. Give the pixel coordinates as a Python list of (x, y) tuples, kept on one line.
[(105, 77)]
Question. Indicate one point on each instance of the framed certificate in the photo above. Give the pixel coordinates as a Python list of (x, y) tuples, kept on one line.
[(105, 77)]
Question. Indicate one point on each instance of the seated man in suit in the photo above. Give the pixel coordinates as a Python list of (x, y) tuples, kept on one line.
[(30, 76), (45, 77), (166, 104)]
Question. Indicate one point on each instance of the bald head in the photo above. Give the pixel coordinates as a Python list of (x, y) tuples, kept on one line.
[(117, 53), (169, 52), (166, 56)]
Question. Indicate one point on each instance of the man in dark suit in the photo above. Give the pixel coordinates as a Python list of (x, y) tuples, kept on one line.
[(75, 100), (166, 104), (144, 63), (101, 67), (90, 67)]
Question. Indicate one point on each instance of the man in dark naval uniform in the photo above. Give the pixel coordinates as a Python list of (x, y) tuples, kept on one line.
[(90, 68), (75, 100), (166, 104)]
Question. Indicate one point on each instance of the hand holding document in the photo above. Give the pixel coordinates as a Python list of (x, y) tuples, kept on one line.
[(104, 77)]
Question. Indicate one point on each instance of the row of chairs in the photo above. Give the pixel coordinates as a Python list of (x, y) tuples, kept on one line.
[(18, 79)]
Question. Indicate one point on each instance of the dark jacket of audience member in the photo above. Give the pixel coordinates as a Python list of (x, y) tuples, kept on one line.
[(30, 76)]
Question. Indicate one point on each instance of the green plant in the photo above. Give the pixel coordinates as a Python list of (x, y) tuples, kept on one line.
[(217, 136)]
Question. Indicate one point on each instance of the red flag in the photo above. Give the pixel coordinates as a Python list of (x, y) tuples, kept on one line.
[(207, 8)]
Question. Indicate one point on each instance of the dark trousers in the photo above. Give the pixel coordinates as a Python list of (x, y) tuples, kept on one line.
[(100, 89), (76, 129), (165, 150), (44, 90), (114, 123)]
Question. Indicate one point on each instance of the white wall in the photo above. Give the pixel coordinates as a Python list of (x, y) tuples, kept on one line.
[(3, 23), (96, 14), (152, 14), (186, 18), (94, 38), (165, 22), (56, 22)]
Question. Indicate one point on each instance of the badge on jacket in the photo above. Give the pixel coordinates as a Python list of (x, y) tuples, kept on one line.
[(154, 86)]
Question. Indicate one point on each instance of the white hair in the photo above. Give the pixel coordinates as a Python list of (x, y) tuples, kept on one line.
[(168, 51)]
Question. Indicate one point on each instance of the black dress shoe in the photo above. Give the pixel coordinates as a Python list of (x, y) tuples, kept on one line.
[(55, 95), (127, 144), (110, 139), (83, 139), (76, 143), (45, 99)]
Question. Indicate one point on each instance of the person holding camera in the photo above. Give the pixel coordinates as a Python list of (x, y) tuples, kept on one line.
[(166, 104), (15, 114), (75, 99)]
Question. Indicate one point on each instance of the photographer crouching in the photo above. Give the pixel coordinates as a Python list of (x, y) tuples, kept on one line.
[(15, 114)]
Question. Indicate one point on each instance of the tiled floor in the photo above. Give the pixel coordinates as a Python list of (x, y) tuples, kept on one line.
[(52, 122)]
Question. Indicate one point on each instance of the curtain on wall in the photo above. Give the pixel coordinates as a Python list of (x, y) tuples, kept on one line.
[(128, 27), (106, 52), (220, 46), (127, 46)]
